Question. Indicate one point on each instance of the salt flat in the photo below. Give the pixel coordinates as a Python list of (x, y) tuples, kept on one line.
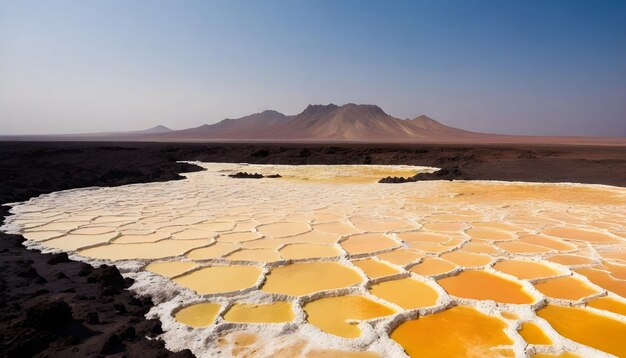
[(325, 259)]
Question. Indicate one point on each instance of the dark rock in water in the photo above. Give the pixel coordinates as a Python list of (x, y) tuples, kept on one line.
[(441, 174), (395, 180), (246, 175)]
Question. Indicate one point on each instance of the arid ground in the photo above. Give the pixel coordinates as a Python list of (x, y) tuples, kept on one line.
[(63, 291)]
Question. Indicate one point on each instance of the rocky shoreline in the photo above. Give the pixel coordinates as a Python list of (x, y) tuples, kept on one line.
[(55, 307)]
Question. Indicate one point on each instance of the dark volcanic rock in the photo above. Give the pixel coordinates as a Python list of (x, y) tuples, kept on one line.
[(52, 306), (441, 174), (246, 175), (58, 258)]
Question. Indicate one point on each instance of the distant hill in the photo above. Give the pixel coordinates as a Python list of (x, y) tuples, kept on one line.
[(324, 123), (350, 122), (155, 130)]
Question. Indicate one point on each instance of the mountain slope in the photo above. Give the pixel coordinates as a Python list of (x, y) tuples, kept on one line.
[(155, 130), (244, 127), (325, 123), (350, 122)]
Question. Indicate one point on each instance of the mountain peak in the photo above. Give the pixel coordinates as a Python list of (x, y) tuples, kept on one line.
[(267, 115), (423, 119), (156, 129), (364, 108), (318, 108), (326, 122)]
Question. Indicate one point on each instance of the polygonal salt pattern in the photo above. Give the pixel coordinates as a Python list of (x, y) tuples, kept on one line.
[(226, 243)]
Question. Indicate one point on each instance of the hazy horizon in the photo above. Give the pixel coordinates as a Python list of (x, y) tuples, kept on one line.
[(515, 67)]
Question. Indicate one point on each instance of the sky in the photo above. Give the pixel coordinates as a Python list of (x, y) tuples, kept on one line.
[(539, 67)]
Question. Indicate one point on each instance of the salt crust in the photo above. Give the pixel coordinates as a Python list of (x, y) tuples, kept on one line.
[(169, 297)]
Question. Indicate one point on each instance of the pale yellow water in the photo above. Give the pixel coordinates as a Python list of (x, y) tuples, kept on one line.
[(570, 259), (433, 266), (72, 242), (580, 234), (307, 277), (547, 242), (275, 312), (608, 304), (198, 315), (580, 325), (422, 237), (406, 293), (569, 288), (336, 227), (171, 268), (255, 255), (400, 257), (373, 224), (331, 314), (604, 280), (481, 285), (618, 271), (522, 248), (455, 332), (375, 269), (533, 334), (429, 248), (467, 259), (313, 237), (220, 279), (156, 250), (490, 234), (211, 252), (283, 229), (365, 243), (238, 237), (306, 251), (525, 269)]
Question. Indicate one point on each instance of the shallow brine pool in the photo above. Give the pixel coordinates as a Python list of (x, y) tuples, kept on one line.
[(325, 261)]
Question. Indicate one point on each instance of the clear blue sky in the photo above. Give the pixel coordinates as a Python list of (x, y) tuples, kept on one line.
[(527, 67)]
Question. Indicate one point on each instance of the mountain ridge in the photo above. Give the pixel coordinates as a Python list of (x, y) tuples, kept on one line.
[(348, 122), (359, 123)]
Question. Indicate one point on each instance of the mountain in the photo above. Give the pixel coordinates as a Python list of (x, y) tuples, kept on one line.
[(155, 130), (350, 122), (237, 128), (324, 123)]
